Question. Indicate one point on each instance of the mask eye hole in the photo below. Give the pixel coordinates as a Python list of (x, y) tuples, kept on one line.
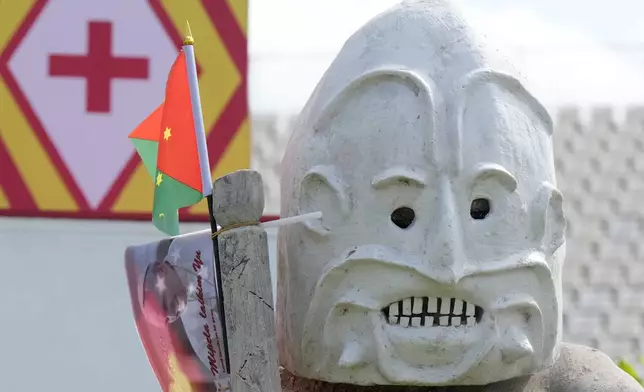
[(479, 208), (403, 217)]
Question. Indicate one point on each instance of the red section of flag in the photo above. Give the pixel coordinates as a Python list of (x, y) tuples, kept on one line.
[(150, 128), (178, 152)]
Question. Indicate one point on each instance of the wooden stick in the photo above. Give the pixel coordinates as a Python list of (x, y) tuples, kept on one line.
[(290, 220)]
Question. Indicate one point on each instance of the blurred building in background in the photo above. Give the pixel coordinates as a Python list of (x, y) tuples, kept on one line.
[(64, 154)]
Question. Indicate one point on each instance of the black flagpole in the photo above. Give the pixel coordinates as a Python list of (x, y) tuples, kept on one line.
[(220, 287)]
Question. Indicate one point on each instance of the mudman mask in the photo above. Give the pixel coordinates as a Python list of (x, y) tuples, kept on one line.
[(438, 259)]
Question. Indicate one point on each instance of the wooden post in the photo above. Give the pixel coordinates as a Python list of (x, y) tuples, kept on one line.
[(248, 301)]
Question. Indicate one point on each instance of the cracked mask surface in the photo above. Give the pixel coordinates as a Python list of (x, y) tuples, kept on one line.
[(438, 258)]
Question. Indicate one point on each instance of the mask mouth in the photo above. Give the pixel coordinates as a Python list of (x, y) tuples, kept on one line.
[(432, 312)]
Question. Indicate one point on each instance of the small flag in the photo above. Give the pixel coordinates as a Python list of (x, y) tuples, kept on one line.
[(177, 182), (171, 144)]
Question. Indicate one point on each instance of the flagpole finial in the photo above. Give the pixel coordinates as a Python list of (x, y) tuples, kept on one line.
[(188, 40)]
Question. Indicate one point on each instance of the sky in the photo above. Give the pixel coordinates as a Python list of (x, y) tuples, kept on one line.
[(573, 52)]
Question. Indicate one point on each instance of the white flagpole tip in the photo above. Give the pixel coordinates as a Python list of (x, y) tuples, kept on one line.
[(188, 40)]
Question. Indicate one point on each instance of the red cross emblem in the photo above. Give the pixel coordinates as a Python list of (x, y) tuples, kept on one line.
[(99, 67)]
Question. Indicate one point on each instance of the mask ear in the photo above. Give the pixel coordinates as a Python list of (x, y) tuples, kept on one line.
[(322, 189), (548, 219)]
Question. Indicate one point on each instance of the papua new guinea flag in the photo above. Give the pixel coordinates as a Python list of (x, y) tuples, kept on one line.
[(175, 306), (168, 143)]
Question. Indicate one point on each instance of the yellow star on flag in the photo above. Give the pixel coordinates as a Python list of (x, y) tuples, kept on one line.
[(159, 179), (167, 133), (161, 215)]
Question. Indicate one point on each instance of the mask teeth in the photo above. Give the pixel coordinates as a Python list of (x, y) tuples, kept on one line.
[(432, 312)]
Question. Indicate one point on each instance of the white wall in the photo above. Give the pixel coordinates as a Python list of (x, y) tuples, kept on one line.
[(64, 306)]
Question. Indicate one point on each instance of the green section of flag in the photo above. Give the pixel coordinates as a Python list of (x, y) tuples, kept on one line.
[(148, 151), (169, 196)]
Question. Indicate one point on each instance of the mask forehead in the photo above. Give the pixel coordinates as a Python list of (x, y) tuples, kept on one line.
[(384, 121), (499, 122)]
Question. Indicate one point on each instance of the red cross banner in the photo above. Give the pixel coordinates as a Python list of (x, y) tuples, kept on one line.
[(76, 77)]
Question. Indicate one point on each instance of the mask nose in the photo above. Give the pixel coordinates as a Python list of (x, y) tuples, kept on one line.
[(446, 256)]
